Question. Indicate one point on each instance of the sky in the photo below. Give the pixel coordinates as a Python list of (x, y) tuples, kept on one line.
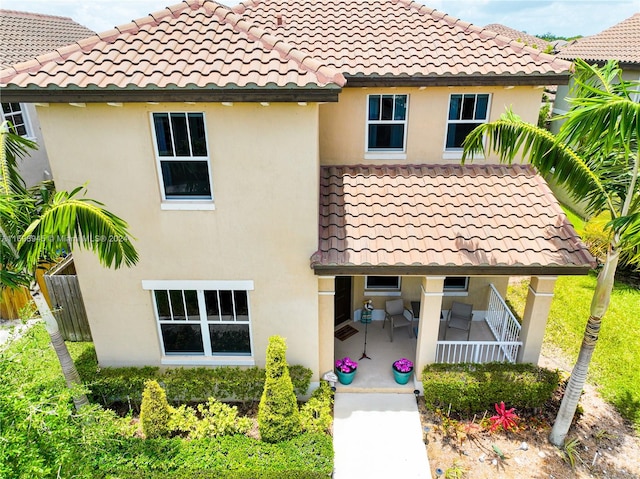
[(536, 17)]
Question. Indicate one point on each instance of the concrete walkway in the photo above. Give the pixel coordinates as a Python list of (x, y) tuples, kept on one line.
[(378, 435)]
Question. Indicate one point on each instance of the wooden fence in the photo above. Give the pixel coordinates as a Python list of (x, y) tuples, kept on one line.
[(14, 302), (66, 301)]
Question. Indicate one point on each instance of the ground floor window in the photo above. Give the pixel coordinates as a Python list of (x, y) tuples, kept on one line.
[(390, 283), (203, 322), (456, 283)]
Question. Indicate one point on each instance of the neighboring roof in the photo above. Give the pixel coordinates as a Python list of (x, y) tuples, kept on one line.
[(25, 35), (620, 42), (517, 35), (443, 219), (402, 42), (195, 50)]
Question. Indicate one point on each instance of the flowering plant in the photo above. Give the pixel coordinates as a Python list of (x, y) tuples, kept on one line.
[(505, 418), (403, 365), (346, 365)]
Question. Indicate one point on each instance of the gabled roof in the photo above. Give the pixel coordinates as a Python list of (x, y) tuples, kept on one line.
[(25, 35), (443, 219), (517, 35), (402, 42), (620, 42), (195, 50)]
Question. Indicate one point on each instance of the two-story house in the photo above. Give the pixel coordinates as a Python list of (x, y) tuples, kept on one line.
[(280, 162)]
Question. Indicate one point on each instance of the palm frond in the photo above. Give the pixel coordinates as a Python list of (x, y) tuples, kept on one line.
[(10, 278), (70, 221), (510, 137), (12, 148)]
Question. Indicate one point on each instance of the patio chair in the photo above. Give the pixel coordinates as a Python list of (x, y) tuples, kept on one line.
[(460, 317), (398, 316)]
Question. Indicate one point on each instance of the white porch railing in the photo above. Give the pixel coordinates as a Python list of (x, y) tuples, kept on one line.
[(477, 351), (505, 329)]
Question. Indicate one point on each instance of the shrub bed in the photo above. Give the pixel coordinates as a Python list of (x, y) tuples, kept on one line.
[(111, 385), (41, 435), (475, 388)]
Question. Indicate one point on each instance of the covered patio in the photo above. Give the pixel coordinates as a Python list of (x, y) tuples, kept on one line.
[(428, 225), (493, 336)]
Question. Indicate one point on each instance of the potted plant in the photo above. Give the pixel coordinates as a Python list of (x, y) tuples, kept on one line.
[(402, 369), (346, 370)]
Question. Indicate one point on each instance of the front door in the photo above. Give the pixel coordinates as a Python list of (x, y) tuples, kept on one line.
[(342, 299)]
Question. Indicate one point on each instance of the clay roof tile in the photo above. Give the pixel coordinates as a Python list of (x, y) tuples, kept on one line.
[(463, 216)]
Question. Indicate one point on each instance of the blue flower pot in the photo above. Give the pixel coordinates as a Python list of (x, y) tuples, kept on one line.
[(401, 378), (346, 378)]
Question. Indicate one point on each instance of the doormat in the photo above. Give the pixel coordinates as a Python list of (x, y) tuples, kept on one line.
[(345, 332)]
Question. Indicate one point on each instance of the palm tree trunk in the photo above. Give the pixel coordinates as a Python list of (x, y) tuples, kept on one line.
[(599, 305), (71, 375)]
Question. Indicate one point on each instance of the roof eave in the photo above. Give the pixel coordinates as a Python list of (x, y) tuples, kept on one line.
[(457, 80), (451, 270), (623, 64), (258, 94)]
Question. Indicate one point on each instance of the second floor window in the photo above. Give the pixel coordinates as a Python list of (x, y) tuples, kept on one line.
[(181, 149), (386, 123), (14, 113), (465, 113)]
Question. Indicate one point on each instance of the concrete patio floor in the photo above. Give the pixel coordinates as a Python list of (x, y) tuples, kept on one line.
[(375, 374)]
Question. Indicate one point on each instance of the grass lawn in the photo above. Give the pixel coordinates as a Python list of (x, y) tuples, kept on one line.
[(576, 221), (614, 366)]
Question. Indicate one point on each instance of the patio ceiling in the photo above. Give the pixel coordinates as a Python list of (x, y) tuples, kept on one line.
[(443, 220)]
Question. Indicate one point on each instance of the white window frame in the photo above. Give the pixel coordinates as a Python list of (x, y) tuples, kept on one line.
[(455, 153), (391, 153), (208, 357), (456, 290), (26, 121), (186, 203)]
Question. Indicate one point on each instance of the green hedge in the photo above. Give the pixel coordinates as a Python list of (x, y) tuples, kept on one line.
[(475, 388), (42, 436), (110, 385), (233, 457)]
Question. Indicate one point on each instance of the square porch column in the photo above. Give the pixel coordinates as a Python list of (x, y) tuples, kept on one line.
[(534, 320), (326, 294), (430, 307)]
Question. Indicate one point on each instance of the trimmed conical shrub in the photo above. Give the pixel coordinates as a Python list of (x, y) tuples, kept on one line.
[(278, 414), (155, 411)]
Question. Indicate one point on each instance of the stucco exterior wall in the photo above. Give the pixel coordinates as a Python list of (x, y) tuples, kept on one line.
[(263, 228), (410, 290), (35, 167), (343, 124)]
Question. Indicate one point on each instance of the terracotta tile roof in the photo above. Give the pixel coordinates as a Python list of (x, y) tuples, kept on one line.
[(397, 38), (443, 218), (25, 35), (620, 42), (192, 45), (517, 35)]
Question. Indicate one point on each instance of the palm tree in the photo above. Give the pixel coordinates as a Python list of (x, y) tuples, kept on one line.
[(595, 156), (37, 224)]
